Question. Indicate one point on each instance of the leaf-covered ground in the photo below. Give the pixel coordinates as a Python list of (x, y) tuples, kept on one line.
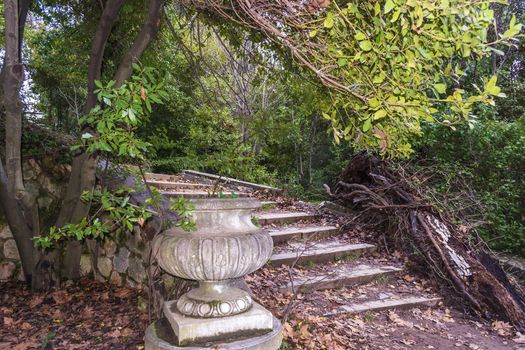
[(87, 315), (91, 315)]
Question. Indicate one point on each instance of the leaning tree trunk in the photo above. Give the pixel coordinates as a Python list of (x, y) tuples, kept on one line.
[(84, 165), (460, 260)]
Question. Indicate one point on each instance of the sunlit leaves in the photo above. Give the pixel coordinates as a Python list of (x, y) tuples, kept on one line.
[(395, 61)]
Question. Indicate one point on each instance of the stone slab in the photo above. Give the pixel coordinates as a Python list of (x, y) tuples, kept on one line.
[(232, 181), (304, 233), (268, 204), (159, 336), (179, 185), (320, 254), (283, 218), (162, 177), (200, 194), (190, 330), (347, 277), (386, 304)]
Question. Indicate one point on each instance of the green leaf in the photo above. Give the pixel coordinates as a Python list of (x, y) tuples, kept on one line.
[(380, 114), (440, 88), (389, 5), (395, 16), (342, 62), (329, 21), (131, 115), (365, 45), (367, 125), (313, 33), (360, 36), (374, 102)]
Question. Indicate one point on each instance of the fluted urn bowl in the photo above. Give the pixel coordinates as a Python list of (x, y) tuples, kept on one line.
[(225, 246)]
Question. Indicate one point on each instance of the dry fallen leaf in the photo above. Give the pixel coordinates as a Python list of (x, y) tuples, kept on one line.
[(303, 331), (61, 297), (392, 316), (408, 278), (115, 334), (127, 332), (28, 344), (502, 328), (36, 300), (520, 339), (288, 330), (8, 321)]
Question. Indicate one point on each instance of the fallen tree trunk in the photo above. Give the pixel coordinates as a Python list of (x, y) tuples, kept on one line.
[(458, 258)]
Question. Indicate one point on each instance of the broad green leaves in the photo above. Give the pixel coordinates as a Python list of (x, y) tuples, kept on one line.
[(113, 212), (393, 62), (114, 121)]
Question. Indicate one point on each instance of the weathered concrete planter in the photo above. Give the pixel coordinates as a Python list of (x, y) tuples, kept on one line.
[(226, 245)]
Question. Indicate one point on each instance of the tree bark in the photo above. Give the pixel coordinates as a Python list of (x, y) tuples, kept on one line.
[(22, 233), (107, 20), (147, 34), (18, 204)]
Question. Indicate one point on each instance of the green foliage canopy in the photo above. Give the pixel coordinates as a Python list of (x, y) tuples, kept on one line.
[(390, 64)]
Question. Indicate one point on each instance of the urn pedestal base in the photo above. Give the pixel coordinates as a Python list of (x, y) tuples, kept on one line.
[(255, 329)]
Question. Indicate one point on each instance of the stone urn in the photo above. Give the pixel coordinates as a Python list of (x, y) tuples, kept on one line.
[(225, 246)]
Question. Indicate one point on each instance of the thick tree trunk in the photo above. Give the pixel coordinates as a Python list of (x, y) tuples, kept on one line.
[(19, 227), (84, 165), (19, 205)]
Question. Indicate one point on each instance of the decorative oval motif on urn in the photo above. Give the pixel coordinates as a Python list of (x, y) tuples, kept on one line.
[(226, 245)]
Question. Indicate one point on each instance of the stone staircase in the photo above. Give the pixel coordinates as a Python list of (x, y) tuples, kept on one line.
[(321, 258), (302, 242)]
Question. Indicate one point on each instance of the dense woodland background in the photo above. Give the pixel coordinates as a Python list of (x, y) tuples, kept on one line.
[(238, 107)]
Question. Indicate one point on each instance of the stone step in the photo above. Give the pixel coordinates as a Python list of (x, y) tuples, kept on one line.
[(283, 218), (179, 185), (303, 233), (320, 253), (386, 304), (161, 177), (268, 205), (201, 194), (232, 181), (346, 277)]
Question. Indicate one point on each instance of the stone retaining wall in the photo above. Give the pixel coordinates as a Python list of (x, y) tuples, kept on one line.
[(119, 262), (9, 258)]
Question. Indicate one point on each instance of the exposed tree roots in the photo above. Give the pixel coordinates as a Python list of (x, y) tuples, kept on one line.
[(457, 256)]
